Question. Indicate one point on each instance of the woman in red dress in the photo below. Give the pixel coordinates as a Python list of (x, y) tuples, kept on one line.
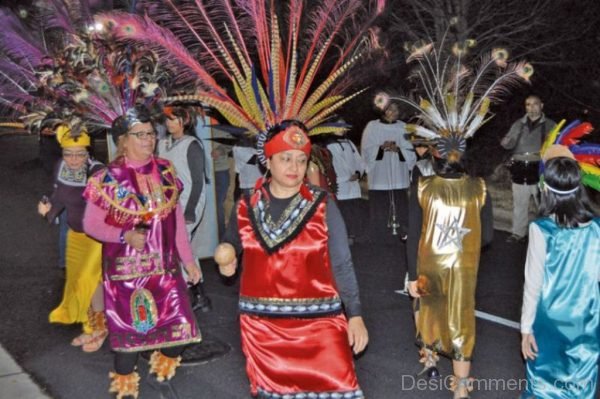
[(297, 280)]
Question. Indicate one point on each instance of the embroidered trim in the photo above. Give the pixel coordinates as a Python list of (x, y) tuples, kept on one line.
[(273, 236), (438, 347), (159, 345), (159, 337), (356, 394), (150, 264), (73, 178), (301, 307), (105, 182)]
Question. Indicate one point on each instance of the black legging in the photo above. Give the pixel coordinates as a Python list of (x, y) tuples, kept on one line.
[(125, 362)]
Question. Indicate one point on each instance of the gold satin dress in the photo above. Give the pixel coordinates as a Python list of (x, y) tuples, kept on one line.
[(447, 264)]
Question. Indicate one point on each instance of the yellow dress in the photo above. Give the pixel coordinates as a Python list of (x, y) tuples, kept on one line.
[(447, 263), (84, 273)]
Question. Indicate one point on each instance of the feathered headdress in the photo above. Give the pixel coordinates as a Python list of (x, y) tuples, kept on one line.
[(455, 95), (568, 142), (22, 54), (272, 75), (33, 77), (121, 79)]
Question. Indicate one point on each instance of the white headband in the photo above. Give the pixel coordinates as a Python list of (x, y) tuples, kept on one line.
[(554, 190)]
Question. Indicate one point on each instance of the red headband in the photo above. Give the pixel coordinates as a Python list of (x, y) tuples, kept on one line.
[(169, 112), (292, 138)]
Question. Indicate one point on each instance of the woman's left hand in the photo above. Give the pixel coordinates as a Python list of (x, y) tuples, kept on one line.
[(413, 290), (358, 337), (529, 347), (193, 272)]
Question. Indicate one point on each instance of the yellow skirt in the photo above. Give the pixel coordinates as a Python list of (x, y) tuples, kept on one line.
[(84, 273)]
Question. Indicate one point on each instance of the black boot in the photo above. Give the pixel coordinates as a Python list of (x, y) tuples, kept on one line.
[(429, 360), (199, 298), (433, 372)]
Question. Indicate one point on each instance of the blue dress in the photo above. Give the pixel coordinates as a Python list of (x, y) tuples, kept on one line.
[(567, 319)]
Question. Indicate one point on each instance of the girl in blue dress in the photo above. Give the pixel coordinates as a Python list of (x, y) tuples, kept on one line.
[(560, 321)]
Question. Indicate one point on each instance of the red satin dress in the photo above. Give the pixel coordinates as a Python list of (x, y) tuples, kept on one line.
[(294, 333)]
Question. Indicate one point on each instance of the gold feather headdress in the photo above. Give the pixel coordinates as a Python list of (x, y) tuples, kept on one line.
[(455, 92)]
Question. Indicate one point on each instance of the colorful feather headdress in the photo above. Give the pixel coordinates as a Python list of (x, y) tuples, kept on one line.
[(586, 154), (22, 54), (35, 78), (271, 75), (122, 79), (456, 92)]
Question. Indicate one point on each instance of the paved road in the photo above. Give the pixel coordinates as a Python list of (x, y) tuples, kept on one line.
[(31, 286)]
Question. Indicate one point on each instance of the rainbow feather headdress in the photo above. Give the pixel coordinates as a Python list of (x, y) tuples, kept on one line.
[(587, 155), (271, 75), (455, 92)]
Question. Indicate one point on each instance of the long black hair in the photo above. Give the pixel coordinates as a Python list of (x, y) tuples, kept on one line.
[(443, 167), (572, 208)]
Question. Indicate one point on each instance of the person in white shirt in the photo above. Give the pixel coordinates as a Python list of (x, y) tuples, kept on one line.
[(246, 166), (389, 158), (186, 152), (349, 168)]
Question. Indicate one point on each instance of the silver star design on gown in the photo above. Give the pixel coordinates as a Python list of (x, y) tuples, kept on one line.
[(452, 233)]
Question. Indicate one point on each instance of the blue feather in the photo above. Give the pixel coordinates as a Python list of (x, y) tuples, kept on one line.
[(272, 93), (257, 91), (584, 149)]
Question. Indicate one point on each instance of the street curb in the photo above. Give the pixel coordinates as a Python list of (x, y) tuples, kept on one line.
[(14, 382)]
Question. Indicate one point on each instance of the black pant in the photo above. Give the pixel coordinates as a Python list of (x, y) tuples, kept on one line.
[(380, 214), (125, 362), (351, 210)]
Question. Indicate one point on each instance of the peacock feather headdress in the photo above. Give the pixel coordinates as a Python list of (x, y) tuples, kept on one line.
[(247, 67), (44, 57), (122, 78), (455, 92)]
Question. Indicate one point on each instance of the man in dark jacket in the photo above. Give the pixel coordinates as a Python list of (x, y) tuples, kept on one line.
[(525, 139)]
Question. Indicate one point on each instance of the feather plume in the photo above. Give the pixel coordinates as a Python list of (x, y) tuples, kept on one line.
[(573, 135), (551, 136), (478, 119), (585, 149), (274, 75), (588, 158), (587, 154), (458, 90), (421, 131)]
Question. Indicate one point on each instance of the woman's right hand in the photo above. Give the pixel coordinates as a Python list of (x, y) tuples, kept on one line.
[(135, 238), (44, 208), (226, 259)]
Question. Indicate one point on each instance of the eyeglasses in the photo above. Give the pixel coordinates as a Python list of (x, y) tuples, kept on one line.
[(79, 155), (143, 135)]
